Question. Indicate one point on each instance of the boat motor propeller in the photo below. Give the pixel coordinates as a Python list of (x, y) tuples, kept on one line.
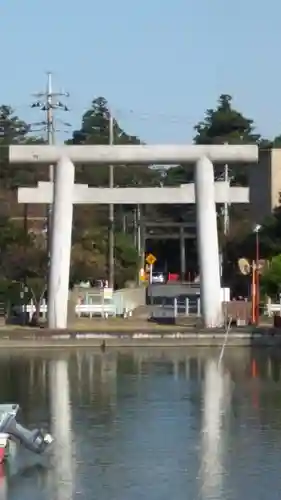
[(34, 440)]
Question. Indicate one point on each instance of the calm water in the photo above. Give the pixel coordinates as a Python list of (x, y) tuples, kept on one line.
[(148, 425)]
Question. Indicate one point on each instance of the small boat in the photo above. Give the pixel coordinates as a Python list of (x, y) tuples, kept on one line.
[(11, 432)]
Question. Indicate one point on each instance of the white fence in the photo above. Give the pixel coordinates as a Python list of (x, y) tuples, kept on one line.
[(109, 310), (103, 310), (272, 308), (94, 306)]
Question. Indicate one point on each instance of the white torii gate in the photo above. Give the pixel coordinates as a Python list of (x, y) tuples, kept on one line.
[(65, 193), (83, 194)]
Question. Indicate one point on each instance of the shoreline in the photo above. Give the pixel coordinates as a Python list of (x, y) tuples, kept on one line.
[(167, 336)]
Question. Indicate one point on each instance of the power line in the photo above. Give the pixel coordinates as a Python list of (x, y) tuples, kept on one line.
[(121, 112), (154, 116), (49, 102)]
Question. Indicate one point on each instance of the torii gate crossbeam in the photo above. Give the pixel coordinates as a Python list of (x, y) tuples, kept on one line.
[(205, 197), (83, 194)]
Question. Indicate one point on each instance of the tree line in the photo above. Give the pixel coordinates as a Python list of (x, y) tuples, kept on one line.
[(23, 253)]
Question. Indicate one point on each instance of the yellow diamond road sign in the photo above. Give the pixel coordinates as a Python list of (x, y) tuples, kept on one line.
[(150, 259)]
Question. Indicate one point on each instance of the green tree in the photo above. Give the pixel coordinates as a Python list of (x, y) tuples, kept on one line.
[(242, 243), (20, 262), (89, 256), (87, 263), (181, 174), (225, 125), (222, 125), (11, 234), (95, 126), (269, 238), (23, 265), (271, 277), (276, 143), (13, 130), (126, 260), (95, 129)]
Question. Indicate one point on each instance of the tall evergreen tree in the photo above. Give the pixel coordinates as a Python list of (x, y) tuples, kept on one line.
[(225, 124)]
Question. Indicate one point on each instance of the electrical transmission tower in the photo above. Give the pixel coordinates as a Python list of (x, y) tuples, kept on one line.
[(49, 102)]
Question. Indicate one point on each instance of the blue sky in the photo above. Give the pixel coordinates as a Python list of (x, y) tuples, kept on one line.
[(160, 64)]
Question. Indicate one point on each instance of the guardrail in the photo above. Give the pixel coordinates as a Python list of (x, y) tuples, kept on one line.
[(189, 306), (178, 308)]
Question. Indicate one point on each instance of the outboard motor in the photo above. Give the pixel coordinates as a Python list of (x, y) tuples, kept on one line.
[(36, 440)]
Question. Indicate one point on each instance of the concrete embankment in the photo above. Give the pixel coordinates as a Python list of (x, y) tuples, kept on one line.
[(136, 334)]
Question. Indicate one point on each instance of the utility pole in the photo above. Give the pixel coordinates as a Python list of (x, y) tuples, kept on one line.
[(49, 101), (226, 204), (227, 179), (225, 212), (111, 211), (139, 230)]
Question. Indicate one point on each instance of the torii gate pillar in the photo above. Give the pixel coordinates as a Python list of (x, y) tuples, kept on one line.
[(61, 232), (208, 245), (63, 209)]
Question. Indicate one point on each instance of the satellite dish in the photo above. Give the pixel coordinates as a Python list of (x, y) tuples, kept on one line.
[(244, 266)]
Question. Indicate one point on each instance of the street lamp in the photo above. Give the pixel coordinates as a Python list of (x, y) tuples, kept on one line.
[(256, 273)]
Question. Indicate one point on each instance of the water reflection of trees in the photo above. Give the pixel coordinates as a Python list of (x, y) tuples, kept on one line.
[(93, 387), (23, 381), (105, 381), (260, 396)]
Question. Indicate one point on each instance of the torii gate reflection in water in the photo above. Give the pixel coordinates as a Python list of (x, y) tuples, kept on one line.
[(65, 194)]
